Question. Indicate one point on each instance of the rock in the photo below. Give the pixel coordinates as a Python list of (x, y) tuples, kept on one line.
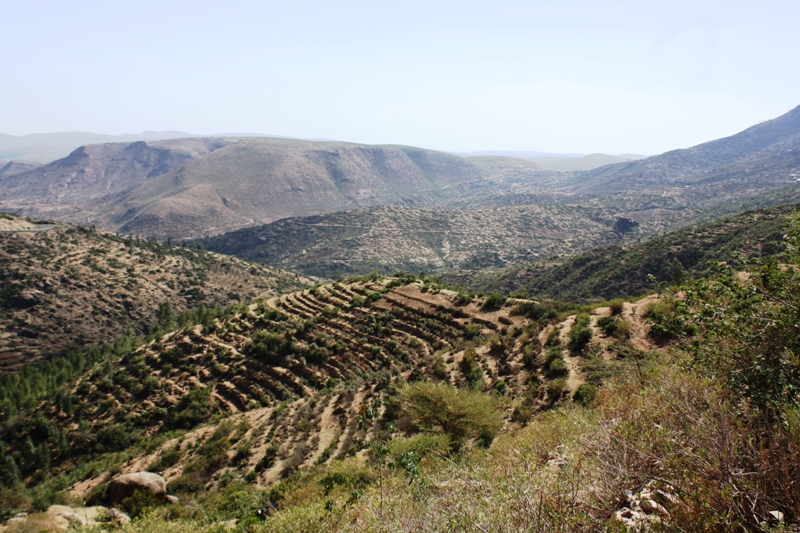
[(126, 484), (667, 499), (623, 516), (171, 499), (116, 516), (776, 515), (651, 506), (62, 514)]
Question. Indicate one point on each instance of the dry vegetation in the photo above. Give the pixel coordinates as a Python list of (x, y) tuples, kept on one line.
[(74, 286)]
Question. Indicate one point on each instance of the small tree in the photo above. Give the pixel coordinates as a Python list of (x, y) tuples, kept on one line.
[(461, 414), (165, 315)]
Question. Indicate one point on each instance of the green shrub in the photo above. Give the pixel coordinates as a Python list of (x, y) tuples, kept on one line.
[(616, 305), (585, 393), (557, 368), (608, 324), (555, 388), (494, 301), (193, 408), (460, 414)]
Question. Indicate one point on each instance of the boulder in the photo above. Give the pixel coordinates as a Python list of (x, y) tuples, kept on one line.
[(126, 484), (116, 516), (171, 499)]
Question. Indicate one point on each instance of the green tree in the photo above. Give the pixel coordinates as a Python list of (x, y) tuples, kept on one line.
[(461, 414), (165, 316), (748, 326)]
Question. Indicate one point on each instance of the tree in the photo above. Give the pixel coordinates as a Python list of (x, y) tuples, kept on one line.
[(461, 414), (747, 326), (165, 315)]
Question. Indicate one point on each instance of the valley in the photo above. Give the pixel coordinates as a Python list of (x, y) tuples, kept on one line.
[(492, 355)]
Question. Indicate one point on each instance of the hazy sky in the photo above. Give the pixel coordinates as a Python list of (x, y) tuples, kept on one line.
[(562, 76)]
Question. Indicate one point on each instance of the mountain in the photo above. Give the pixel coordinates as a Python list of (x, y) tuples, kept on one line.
[(432, 240), (587, 162), (622, 269), (71, 286), (762, 156), (186, 188), (16, 167), (394, 404)]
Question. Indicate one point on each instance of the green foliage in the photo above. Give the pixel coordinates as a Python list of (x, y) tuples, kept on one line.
[(138, 503), (168, 458), (554, 365), (495, 300), (585, 394), (471, 368), (748, 327), (581, 334), (460, 414), (194, 407), (165, 316), (608, 324)]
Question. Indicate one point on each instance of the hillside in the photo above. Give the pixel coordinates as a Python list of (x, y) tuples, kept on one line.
[(75, 286), (763, 156), (294, 373), (184, 188), (622, 269), (387, 239), (392, 404), (46, 147)]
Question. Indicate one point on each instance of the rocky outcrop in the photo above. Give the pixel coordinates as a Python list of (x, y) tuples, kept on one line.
[(125, 485)]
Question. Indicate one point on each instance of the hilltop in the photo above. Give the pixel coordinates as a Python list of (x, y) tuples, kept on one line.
[(623, 269), (75, 286), (763, 156)]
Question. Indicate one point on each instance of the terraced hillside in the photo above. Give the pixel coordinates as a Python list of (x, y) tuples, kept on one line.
[(292, 375), (76, 286), (623, 269), (414, 239)]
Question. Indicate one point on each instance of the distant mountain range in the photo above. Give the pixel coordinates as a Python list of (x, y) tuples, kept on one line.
[(552, 161), (185, 188), (201, 186)]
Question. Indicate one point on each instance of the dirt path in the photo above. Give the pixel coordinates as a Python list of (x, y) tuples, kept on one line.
[(640, 329)]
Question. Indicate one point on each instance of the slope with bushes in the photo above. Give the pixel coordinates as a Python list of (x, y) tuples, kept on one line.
[(684, 412), (76, 286), (623, 269)]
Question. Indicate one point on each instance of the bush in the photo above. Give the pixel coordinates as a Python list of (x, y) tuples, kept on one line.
[(556, 369), (555, 389), (623, 329), (616, 305), (460, 414), (193, 408), (608, 324), (585, 393), (580, 335), (494, 301)]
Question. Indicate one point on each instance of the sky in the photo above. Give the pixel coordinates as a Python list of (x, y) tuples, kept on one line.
[(553, 76)]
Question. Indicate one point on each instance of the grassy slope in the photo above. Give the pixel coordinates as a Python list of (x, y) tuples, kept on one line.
[(623, 269)]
